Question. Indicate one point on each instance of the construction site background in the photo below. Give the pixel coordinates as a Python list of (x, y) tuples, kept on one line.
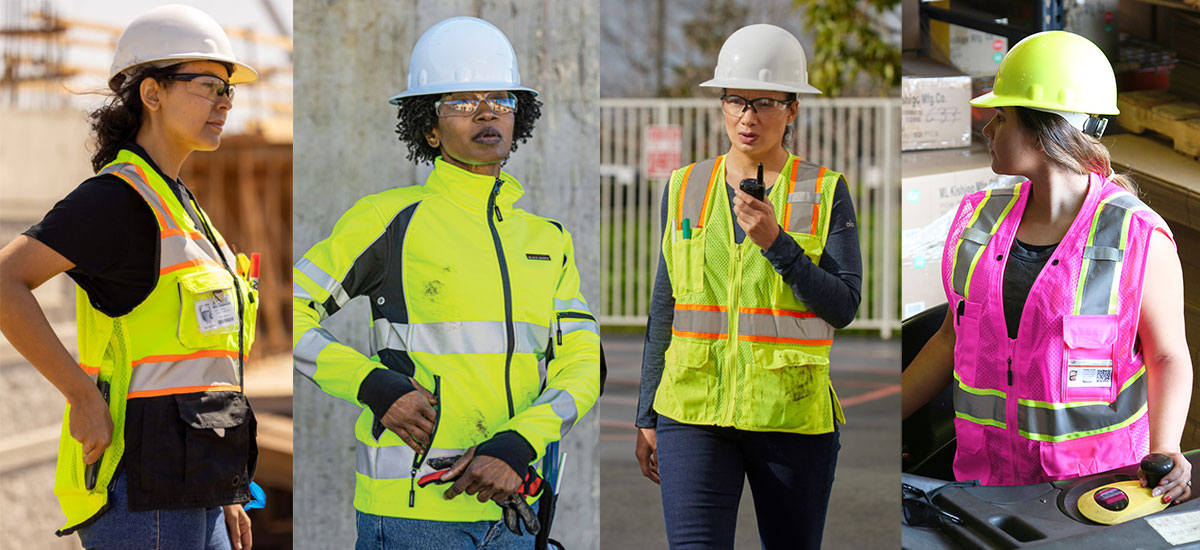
[(346, 148), (55, 62)]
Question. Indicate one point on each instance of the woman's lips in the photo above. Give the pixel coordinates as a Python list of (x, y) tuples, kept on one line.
[(216, 125), (748, 138), (487, 136)]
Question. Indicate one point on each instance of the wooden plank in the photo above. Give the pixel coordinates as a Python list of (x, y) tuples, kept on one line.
[(274, 451), (1163, 113)]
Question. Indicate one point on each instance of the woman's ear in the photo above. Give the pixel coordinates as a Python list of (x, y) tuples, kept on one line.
[(432, 138), (150, 91)]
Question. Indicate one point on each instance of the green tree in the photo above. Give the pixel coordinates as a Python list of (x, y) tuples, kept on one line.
[(848, 44)]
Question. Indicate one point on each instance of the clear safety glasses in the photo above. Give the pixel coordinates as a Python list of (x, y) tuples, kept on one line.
[(205, 85), (501, 103), (735, 105)]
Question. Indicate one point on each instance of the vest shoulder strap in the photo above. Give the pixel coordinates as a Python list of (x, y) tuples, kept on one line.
[(694, 191)]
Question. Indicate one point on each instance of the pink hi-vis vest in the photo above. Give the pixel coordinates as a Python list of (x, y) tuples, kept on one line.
[(1067, 397)]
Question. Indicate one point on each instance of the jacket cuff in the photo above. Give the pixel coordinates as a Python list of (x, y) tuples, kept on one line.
[(381, 388), (782, 253), (510, 447)]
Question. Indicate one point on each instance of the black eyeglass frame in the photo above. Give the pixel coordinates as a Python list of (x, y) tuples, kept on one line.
[(750, 103), (226, 90)]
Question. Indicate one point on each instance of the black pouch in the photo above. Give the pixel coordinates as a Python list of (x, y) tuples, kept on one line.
[(190, 450)]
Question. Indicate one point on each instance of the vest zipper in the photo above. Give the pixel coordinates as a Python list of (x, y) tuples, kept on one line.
[(569, 315), (419, 459), (731, 363), (509, 330), (1010, 370)]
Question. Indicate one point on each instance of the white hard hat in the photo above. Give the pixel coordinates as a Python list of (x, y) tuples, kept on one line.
[(172, 34), (762, 57), (462, 54)]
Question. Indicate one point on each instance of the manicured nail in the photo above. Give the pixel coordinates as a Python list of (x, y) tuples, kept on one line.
[(1167, 500), (1156, 492)]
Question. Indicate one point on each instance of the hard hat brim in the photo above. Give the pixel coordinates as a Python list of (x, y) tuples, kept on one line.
[(759, 85), (990, 99), (242, 73), (461, 87)]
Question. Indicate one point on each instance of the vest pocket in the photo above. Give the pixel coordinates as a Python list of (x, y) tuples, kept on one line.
[(689, 379), (771, 357), (208, 309), (687, 273), (1087, 372)]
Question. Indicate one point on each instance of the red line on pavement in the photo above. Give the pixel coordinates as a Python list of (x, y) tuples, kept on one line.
[(870, 396)]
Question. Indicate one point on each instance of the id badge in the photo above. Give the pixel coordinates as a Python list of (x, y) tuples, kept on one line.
[(1089, 373), (217, 314)]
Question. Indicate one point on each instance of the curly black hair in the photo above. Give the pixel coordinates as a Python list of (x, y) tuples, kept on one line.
[(417, 119)]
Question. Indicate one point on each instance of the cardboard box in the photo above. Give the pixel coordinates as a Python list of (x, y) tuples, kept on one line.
[(933, 183), (935, 113)]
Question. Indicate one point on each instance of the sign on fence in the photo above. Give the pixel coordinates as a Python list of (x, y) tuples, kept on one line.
[(663, 150)]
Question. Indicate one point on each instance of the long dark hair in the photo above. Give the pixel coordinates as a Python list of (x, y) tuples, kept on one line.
[(1068, 147), (117, 122)]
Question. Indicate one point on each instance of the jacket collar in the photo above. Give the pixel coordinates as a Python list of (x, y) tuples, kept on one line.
[(471, 189)]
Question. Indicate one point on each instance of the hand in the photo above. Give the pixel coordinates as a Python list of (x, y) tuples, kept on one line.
[(91, 424), (412, 417), (646, 452), (1174, 486), (238, 523), (756, 218), (486, 477)]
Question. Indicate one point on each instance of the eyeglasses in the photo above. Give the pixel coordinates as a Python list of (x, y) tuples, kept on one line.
[(205, 85), (922, 512), (735, 105), (468, 106)]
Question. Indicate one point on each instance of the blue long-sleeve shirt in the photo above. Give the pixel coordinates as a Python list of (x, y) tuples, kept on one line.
[(830, 289)]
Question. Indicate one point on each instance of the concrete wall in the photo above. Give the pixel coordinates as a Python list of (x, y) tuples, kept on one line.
[(349, 58)]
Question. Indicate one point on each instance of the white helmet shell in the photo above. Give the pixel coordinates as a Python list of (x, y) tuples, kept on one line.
[(762, 57), (172, 34), (462, 54)]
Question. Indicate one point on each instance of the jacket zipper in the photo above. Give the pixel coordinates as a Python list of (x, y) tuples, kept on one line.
[(419, 459), (509, 330), (569, 315)]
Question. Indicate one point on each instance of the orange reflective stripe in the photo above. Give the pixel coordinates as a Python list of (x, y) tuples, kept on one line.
[(198, 354), (683, 193), (185, 389), (817, 206), (708, 190), (89, 370), (706, 335), (162, 223), (699, 307), (781, 312), (787, 210), (779, 340), (187, 264)]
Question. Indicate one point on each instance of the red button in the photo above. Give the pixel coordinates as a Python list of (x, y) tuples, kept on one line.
[(1108, 17), (997, 44)]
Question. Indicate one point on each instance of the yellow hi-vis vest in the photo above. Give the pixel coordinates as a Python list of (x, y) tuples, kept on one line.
[(469, 296), (745, 352), (183, 338)]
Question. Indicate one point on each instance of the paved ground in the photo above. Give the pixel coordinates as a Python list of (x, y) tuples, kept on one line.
[(866, 496)]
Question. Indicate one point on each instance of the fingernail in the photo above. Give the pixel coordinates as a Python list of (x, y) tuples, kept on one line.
[(1156, 492), (1167, 499)]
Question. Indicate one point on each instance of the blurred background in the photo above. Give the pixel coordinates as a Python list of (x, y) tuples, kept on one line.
[(653, 119), (53, 67)]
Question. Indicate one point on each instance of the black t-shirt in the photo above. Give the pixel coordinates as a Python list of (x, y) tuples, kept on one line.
[(110, 233), (1025, 261)]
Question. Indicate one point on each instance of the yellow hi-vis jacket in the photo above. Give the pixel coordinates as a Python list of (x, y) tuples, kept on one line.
[(469, 296), (745, 352), (184, 338)]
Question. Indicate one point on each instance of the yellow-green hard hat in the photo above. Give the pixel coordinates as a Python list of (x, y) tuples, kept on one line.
[(1057, 71)]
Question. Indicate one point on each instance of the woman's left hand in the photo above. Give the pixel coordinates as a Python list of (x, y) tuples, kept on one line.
[(756, 218), (1175, 487), (238, 523)]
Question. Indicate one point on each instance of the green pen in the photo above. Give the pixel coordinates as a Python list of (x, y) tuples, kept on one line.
[(687, 228)]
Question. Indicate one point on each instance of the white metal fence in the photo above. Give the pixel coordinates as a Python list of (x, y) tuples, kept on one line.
[(858, 137)]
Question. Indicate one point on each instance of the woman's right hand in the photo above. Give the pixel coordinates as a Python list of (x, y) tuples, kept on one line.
[(647, 453), (91, 424)]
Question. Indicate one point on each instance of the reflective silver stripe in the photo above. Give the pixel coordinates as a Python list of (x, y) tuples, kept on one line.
[(395, 461), (1101, 269), (804, 196), (1061, 421), (695, 191), (186, 373), (562, 404), (573, 303), (299, 292), (981, 409), (308, 348), (805, 178), (568, 327), (129, 172), (701, 321), (972, 242), (459, 337), (767, 325), (323, 280)]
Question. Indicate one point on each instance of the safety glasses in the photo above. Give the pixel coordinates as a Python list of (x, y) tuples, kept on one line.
[(205, 85), (500, 103), (735, 105), (921, 512)]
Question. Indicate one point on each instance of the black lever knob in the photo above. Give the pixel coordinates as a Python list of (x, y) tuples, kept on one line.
[(1156, 465)]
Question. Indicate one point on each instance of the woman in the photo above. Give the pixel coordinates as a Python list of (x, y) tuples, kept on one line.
[(735, 373), (1065, 332), (158, 439)]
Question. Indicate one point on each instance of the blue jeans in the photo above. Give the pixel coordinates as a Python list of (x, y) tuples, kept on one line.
[(702, 470), (187, 529), (388, 533)]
